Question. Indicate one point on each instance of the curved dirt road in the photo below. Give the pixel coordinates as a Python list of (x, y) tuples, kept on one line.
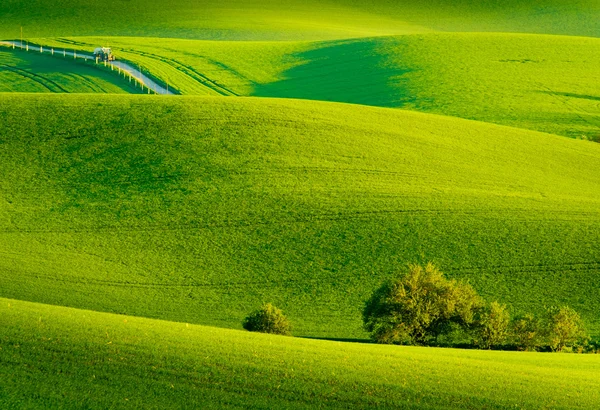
[(121, 66)]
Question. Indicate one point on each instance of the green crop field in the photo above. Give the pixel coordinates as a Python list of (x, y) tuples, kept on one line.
[(55, 357), (317, 148), (543, 83), (22, 71), (199, 209), (293, 19)]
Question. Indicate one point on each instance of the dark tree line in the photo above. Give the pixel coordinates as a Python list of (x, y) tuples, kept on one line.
[(423, 307)]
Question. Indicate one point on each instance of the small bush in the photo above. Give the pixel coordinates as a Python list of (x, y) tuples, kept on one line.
[(526, 332), (267, 319), (564, 328), (493, 326), (419, 307)]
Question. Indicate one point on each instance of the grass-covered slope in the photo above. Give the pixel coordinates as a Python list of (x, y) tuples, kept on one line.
[(21, 71), (55, 357), (293, 19), (542, 83), (199, 209)]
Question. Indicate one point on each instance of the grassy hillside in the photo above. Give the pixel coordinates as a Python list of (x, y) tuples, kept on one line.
[(293, 19), (195, 67), (199, 209), (54, 357), (31, 72), (542, 83)]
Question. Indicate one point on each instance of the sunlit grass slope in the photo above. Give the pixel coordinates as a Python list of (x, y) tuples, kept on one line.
[(199, 209), (293, 19), (55, 357), (543, 83), (225, 68), (32, 72)]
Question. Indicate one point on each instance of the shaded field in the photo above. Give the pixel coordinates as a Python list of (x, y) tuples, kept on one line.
[(294, 19), (542, 83), (199, 209), (54, 357), (22, 71)]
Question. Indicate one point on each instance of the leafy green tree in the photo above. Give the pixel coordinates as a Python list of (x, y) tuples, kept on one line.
[(419, 306), (493, 326), (526, 332), (564, 328), (267, 319)]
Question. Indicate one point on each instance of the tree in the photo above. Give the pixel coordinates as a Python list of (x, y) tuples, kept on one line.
[(564, 328), (493, 326), (267, 319), (526, 332), (419, 306)]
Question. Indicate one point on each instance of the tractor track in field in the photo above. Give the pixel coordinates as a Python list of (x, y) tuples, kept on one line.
[(188, 70), (30, 273), (224, 224), (125, 67), (578, 111), (43, 81)]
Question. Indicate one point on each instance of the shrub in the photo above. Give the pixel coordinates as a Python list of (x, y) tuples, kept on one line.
[(526, 332), (493, 326), (419, 306), (564, 328), (267, 319)]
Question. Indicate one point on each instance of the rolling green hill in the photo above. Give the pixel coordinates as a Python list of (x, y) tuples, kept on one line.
[(542, 83), (55, 357), (196, 209), (31, 72), (199, 209), (293, 19)]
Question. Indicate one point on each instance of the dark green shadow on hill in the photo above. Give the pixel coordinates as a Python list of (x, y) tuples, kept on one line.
[(355, 71), (572, 95), (337, 339)]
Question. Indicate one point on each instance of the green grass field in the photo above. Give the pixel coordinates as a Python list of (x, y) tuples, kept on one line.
[(542, 83), (199, 209), (317, 149), (55, 357), (293, 19), (22, 72)]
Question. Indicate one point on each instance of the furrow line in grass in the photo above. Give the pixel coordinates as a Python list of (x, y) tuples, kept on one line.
[(245, 283), (188, 70), (146, 80), (43, 81), (22, 272), (180, 178), (575, 266), (576, 110), (88, 82), (243, 224)]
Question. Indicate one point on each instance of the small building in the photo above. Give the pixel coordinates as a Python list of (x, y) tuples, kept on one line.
[(103, 54)]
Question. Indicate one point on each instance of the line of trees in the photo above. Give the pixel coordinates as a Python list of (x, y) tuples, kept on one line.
[(423, 307)]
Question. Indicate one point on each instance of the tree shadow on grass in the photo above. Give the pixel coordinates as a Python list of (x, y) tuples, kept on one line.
[(337, 339)]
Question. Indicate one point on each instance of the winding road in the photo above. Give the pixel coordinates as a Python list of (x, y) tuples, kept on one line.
[(120, 66)]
